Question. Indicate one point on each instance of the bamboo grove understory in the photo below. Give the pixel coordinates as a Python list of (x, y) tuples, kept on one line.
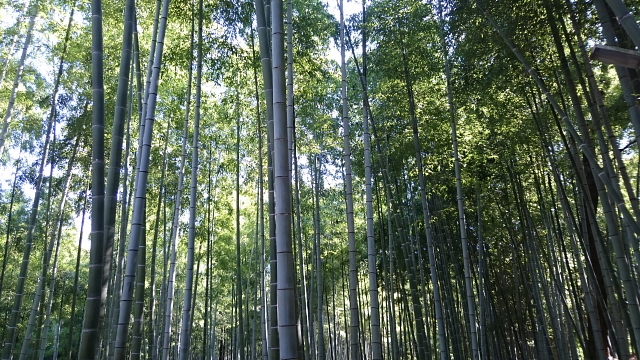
[(300, 179)]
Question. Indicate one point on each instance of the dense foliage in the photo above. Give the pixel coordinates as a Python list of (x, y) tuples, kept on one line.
[(493, 177)]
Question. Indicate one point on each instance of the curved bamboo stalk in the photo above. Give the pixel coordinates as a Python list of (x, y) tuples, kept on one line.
[(117, 138), (354, 319), (444, 352), (173, 237), (114, 306), (70, 344), (37, 307), (136, 338), (11, 333), (9, 219), (14, 42), (240, 340), (152, 343), (55, 237), (140, 195), (263, 301), (185, 334), (471, 302), (321, 351), (376, 335)]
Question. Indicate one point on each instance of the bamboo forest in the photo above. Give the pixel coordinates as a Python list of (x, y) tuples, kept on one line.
[(319, 179)]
